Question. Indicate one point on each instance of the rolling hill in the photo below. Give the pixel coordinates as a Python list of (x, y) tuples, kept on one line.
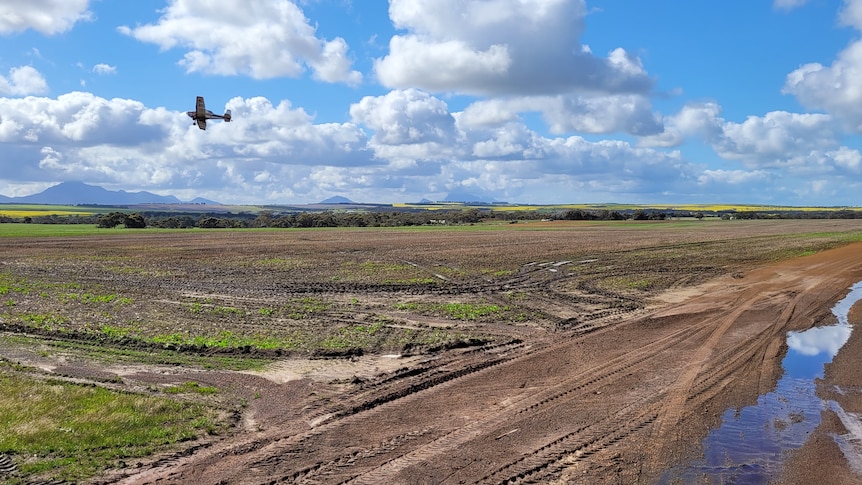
[(79, 193)]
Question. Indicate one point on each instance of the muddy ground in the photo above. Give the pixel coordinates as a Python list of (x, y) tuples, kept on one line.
[(822, 455), (626, 347)]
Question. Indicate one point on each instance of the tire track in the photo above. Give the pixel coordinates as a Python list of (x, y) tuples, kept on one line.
[(738, 357), (272, 444), (529, 405), (540, 461), (678, 394), (671, 404), (580, 443), (571, 389), (770, 337)]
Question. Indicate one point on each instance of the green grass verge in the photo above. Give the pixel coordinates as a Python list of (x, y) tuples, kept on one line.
[(43, 230), (66, 230), (467, 311), (99, 352), (61, 431)]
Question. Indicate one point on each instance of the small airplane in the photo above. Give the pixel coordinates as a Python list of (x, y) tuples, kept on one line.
[(201, 114)]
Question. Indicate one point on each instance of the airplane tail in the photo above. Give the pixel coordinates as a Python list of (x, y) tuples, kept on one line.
[(227, 115)]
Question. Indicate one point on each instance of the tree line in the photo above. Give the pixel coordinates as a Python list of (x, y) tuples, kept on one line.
[(310, 219)]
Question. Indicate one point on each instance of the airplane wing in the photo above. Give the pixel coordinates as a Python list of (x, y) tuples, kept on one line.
[(202, 123), (200, 109)]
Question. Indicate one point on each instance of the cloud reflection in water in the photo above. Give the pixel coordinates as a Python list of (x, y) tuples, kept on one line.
[(819, 340)]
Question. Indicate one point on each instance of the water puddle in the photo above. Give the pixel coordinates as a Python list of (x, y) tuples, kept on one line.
[(749, 446)]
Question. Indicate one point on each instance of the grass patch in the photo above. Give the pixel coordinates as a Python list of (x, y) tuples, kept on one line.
[(95, 298), (281, 264), (470, 311), (353, 336), (44, 230), (377, 336), (63, 292), (70, 432), (65, 230), (223, 340), (466, 311), (191, 387), (100, 352), (45, 321), (380, 336), (11, 284), (305, 307), (497, 273), (383, 272)]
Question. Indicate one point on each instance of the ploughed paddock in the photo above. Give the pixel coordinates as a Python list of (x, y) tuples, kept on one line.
[(620, 405), (600, 384)]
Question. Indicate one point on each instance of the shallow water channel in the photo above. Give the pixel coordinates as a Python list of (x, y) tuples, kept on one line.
[(750, 444)]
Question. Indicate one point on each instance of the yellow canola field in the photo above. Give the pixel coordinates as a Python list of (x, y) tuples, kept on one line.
[(18, 213)]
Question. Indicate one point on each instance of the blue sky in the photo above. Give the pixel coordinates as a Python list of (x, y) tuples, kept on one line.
[(525, 101)]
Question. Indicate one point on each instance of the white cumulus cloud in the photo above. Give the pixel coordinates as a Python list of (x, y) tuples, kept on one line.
[(104, 69), (22, 81), (694, 119), (802, 143), (73, 119), (46, 16), (776, 137), (262, 39), (526, 47), (571, 113), (405, 117), (284, 135), (834, 88)]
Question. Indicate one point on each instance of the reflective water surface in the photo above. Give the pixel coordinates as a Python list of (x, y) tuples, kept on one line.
[(748, 447)]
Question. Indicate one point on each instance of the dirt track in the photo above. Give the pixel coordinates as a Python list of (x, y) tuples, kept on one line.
[(618, 405)]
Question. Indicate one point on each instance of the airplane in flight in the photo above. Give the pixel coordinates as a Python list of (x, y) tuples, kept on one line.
[(201, 114)]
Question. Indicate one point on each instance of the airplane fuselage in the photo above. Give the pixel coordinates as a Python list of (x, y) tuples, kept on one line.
[(208, 115), (200, 115)]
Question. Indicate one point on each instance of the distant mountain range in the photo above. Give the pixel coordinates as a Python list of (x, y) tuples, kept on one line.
[(337, 200), (79, 193)]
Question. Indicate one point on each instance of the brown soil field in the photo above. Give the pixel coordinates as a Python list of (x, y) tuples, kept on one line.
[(557, 352)]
